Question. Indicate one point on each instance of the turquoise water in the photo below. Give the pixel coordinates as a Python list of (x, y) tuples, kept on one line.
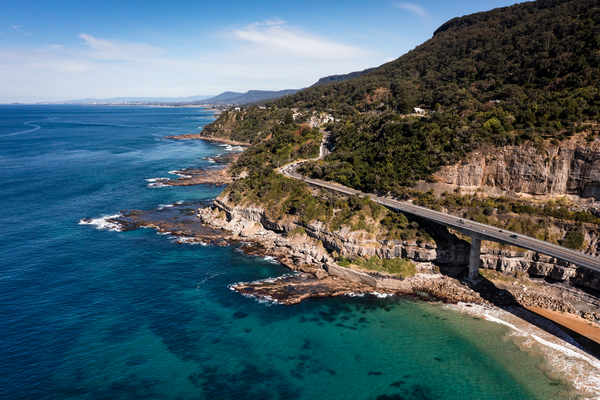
[(95, 314)]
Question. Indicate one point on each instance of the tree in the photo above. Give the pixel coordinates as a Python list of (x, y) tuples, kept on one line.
[(289, 118)]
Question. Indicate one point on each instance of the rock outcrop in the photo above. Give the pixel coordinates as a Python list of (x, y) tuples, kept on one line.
[(315, 245), (353, 244), (539, 265), (573, 169)]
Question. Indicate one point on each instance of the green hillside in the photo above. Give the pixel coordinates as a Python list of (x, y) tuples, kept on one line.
[(525, 73)]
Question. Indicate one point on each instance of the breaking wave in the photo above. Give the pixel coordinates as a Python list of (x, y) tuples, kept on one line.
[(560, 352), (103, 222)]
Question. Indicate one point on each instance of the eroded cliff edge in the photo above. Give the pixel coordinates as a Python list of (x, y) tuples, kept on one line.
[(571, 168), (446, 250)]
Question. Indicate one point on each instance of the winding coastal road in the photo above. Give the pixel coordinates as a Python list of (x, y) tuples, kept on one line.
[(471, 228)]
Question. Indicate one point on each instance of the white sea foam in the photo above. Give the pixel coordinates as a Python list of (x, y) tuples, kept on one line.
[(210, 160), (381, 295), (187, 240), (376, 294), (269, 280), (177, 172), (229, 147), (157, 182), (271, 259), (206, 279), (30, 123), (560, 351), (157, 185), (352, 294), (263, 299), (103, 223)]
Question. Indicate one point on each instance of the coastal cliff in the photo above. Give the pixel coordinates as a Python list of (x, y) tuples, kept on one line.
[(570, 169), (316, 245)]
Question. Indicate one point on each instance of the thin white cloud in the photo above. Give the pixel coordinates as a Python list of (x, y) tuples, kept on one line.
[(413, 8), (278, 39), (115, 50), (273, 21), (268, 55), (18, 29)]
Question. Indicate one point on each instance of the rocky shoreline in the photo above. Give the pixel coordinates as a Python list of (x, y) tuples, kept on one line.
[(211, 176), (317, 275), (199, 176), (326, 278), (199, 136)]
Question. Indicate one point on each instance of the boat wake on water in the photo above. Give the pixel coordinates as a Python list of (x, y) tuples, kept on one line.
[(30, 123)]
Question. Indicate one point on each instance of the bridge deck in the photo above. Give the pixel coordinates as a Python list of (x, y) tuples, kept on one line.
[(467, 227)]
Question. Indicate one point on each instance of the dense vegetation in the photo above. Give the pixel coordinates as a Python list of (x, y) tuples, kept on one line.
[(521, 74), (285, 143), (283, 197), (249, 125), (525, 73), (539, 220)]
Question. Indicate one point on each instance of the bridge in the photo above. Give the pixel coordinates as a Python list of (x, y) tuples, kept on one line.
[(475, 230)]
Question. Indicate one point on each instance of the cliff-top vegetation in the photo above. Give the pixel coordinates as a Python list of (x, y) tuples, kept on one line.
[(526, 74), (285, 199)]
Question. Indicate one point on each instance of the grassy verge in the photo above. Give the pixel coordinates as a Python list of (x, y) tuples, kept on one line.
[(401, 267)]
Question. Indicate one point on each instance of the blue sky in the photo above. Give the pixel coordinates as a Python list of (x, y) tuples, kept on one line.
[(60, 50)]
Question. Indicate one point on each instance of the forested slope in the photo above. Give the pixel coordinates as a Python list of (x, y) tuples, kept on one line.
[(521, 74), (525, 76)]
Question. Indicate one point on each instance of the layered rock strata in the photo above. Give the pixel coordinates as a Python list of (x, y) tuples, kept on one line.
[(573, 169), (447, 252)]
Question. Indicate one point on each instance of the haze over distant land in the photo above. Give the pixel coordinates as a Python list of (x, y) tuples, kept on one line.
[(136, 99), (105, 50), (225, 98)]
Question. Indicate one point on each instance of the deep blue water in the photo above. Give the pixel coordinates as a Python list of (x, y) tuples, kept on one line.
[(87, 313)]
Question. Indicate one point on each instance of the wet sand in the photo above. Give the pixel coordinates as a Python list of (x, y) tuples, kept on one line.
[(584, 332)]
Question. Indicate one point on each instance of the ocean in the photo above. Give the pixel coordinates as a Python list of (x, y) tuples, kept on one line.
[(87, 312)]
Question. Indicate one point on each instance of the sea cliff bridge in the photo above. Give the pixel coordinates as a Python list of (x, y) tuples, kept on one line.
[(475, 230)]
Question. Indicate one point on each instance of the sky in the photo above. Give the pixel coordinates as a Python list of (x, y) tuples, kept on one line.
[(63, 50)]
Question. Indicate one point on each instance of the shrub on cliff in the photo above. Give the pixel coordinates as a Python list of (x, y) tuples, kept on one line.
[(574, 240)]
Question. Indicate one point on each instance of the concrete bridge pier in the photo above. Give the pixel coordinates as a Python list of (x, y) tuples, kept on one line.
[(474, 258)]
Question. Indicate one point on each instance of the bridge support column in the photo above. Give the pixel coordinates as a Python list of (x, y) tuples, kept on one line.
[(474, 259)]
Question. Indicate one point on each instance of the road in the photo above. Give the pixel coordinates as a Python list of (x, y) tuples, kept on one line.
[(467, 227), (323, 150)]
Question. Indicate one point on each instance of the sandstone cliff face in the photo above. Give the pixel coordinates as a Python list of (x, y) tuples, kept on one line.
[(223, 126), (510, 261), (353, 244), (571, 169), (447, 251)]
